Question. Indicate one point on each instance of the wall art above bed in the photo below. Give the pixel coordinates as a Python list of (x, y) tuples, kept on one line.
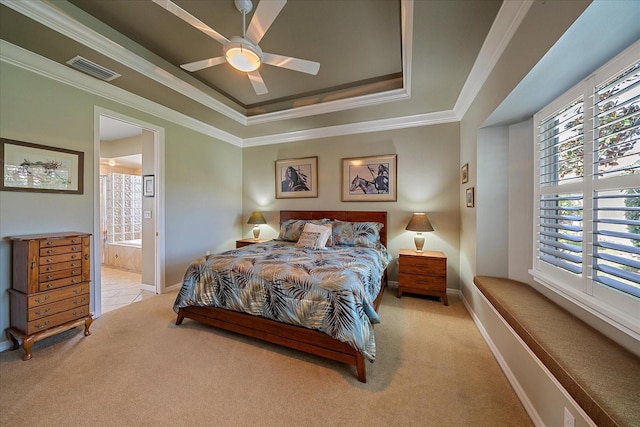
[(369, 179), (39, 168), (297, 178)]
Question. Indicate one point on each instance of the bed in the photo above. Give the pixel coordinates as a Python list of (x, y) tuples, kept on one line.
[(354, 275)]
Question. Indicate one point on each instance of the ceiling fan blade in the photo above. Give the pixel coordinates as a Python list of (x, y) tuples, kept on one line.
[(256, 81), (263, 17), (295, 64), (205, 63), (190, 19)]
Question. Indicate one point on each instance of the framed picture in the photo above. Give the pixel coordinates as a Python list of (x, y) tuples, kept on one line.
[(297, 178), (464, 173), (369, 179), (148, 185), (39, 168), (470, 197)]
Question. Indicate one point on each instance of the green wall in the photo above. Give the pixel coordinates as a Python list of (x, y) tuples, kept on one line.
[(202, 175)]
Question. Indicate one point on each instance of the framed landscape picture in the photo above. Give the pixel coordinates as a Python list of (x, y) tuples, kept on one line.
[(369, 179), (297, 178), (39, 168)]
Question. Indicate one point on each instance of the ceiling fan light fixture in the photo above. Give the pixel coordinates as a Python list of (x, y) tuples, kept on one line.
[(243, 55)]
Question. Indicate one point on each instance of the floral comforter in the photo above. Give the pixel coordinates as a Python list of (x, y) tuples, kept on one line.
[(331, 290)]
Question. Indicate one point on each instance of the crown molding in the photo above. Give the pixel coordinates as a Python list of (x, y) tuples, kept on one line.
[(507, 21), (27, 60), (54, 18), (355, 128)]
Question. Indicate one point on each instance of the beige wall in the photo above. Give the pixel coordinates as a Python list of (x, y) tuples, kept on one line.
[(428, 181)]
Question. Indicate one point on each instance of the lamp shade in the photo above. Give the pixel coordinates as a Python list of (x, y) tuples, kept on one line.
[(256, 218), (419, 222)]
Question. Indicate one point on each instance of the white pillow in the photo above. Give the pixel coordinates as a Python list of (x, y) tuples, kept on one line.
[(325, 233), (308, 240)]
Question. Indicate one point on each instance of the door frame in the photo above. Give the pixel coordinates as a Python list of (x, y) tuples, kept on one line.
[(158, 211)]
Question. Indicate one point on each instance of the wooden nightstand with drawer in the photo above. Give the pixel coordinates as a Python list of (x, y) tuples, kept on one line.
[(423, 273)]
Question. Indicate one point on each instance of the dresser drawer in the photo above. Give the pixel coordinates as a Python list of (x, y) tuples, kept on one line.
[(54, 259), (60, 274), (41, 298), (57, 307), (57, 319), (435, 283), (416, 265), (60, 266), (48, 243), (55, 284), (56, 250)]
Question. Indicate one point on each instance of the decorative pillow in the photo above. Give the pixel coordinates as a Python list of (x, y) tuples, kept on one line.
[(323, 230), (290, 230), (308, 240), (357, 233)]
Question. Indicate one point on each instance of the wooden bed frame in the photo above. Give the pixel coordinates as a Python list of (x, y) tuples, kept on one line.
[(295, 337)]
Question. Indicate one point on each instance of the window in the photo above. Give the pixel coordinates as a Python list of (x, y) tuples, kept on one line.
[(587, 235)]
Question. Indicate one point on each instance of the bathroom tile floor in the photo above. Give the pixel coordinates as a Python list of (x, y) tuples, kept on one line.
[(120, 288)]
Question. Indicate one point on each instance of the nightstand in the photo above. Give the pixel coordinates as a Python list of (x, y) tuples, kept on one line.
[(246, 242), (423, 273)]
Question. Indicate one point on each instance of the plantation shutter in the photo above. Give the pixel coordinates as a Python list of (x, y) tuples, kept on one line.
[(561, 156), (616, 254)]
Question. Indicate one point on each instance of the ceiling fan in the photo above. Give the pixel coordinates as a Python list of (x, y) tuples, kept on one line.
[(243, 52)]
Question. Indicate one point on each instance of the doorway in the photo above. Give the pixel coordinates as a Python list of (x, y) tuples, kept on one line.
[(127, 262)]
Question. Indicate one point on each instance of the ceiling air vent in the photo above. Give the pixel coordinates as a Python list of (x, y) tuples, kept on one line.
[(93, 69)]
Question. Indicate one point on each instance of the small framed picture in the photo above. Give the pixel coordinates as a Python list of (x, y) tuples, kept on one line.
[(148, 185), (464, 173), (470, 197), (297, 178), (369, 179)]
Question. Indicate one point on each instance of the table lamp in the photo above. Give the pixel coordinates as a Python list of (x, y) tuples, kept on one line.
[(419, 223), (256, 219)]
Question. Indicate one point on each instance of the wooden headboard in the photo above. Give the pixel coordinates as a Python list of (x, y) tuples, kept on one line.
[(353, 216)]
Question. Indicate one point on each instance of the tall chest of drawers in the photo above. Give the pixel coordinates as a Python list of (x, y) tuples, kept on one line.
[(50, 287)]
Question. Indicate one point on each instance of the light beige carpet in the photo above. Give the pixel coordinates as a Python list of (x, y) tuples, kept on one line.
[(139, 369)]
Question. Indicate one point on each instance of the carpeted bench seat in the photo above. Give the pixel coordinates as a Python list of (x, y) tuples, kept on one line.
[(601, 376)]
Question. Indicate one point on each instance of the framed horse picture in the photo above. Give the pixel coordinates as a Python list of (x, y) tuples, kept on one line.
[(369, 179), (297, 178)]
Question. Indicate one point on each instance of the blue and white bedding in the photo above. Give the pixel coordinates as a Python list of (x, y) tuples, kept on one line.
[(331, 289)]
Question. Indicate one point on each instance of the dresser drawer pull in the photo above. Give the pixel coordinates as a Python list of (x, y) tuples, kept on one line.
[(73, 257), (43, 325), (73, 272), (49, 251), (78, 313), (49, 260), (49, 286), (49, 277), (49, 243), (40, 313), (46, 298), (73, 240), (73, 248), (48, 269), (79, 302), (73, 264), (33, 265), (78, 291), (73, 280), (86, 256)]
